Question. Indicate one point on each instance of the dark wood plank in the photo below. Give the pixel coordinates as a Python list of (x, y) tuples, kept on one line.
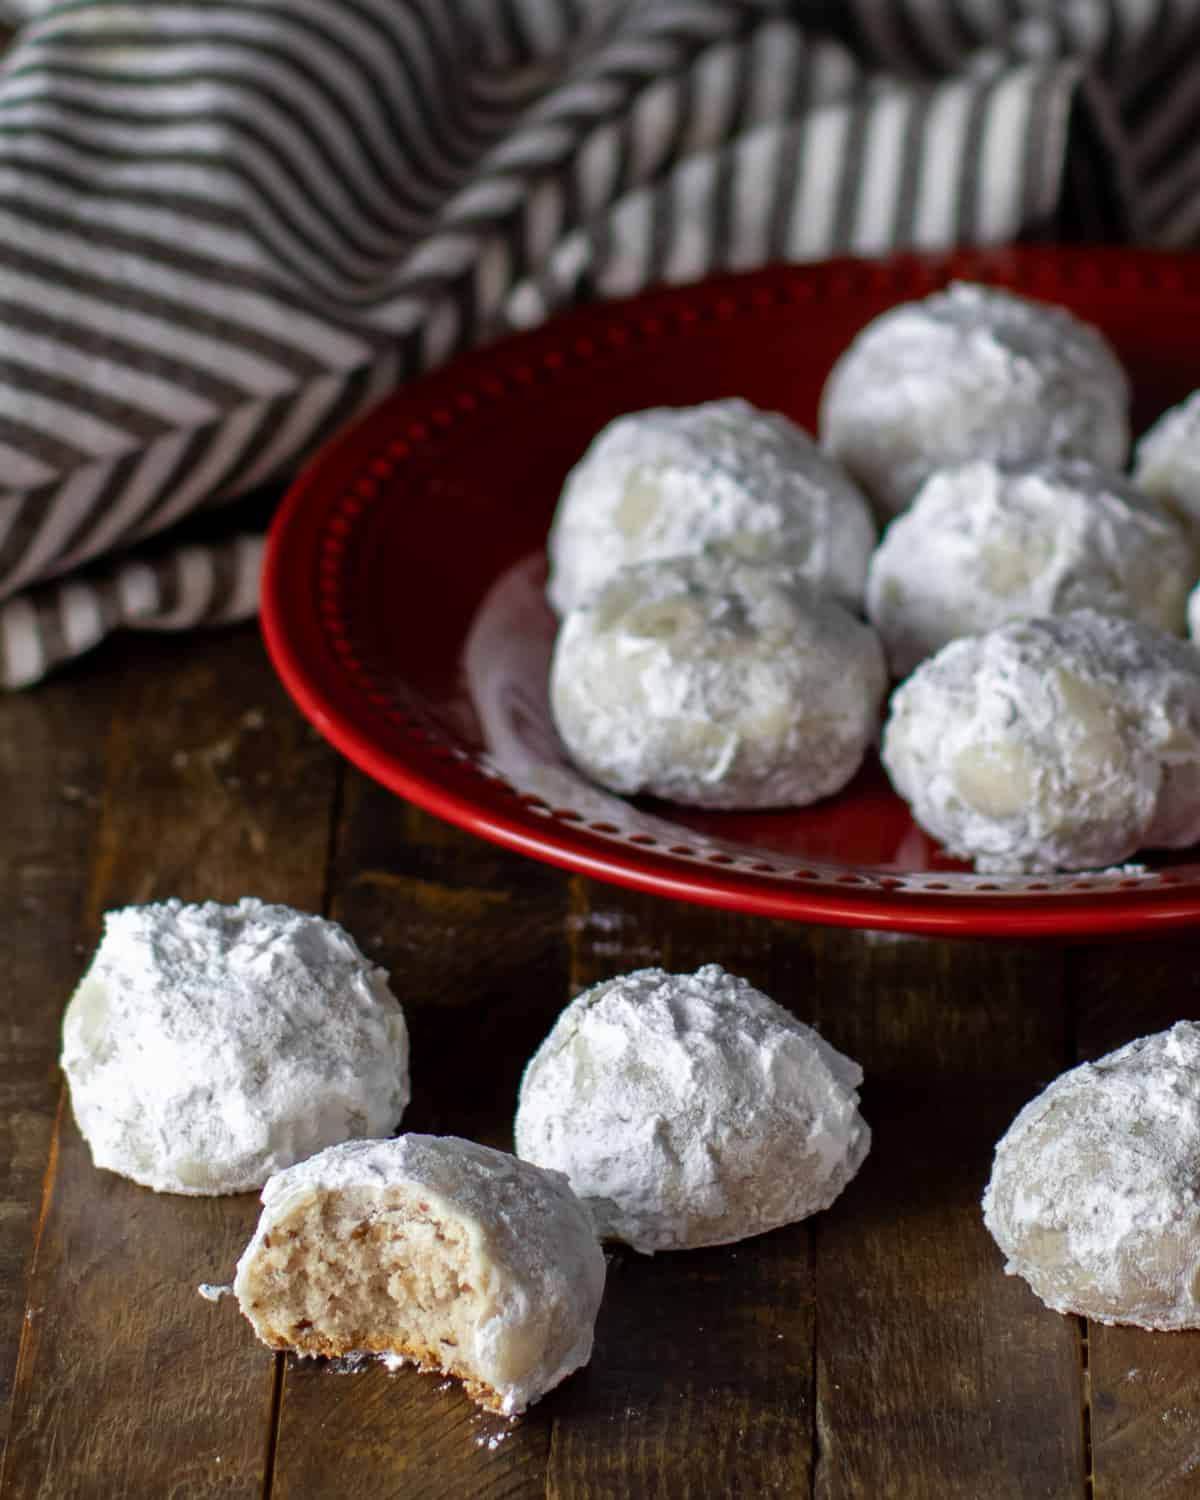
[(366, 1432), (701, 1381), (128, 1382), (473, 938), (877, 1351), (1145, 1387), (52, 746), (937, 1374)]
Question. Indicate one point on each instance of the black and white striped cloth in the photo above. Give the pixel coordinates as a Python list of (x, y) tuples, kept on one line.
[(228, 225)]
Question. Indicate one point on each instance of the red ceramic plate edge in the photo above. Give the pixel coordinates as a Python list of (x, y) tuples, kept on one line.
[(293, 640)]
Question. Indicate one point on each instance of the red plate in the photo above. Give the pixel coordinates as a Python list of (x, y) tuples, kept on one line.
[(402, 591)]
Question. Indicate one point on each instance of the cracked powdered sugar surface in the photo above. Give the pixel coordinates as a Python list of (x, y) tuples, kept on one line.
[(1093, 1194), (1167, 460), (670, 482), (983, 544), (208, 1046), (689, 1109), (716, 683), (1052, 744), (971, 372)]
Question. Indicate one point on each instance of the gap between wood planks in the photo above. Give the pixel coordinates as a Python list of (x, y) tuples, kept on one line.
[(25, 1346), (331, 850), (1085, 1380), (1089, 1478), (273, 1428), (814, 1463)]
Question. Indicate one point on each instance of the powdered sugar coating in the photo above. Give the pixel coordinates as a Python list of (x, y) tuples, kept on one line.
[(529, 1252), (716, 683), (1167, 460), (981, 545), (1093, 1192), (208, 1046), (689, 1109), (670, 482), (971, 372), (1052, 744)]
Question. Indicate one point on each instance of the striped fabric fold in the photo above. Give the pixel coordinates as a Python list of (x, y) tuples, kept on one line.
[(226, 227), (213, 584)]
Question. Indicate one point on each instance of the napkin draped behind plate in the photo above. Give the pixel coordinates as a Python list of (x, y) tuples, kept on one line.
[(226, 228)]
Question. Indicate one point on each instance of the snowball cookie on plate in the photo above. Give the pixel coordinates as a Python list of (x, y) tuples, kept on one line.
[(716, 683), (1167, 460), (688, 1109), (971, 372), (982, 544), (208, 1046), (1093, 1191), (430, 1250), (1052, 744), (671, 481)]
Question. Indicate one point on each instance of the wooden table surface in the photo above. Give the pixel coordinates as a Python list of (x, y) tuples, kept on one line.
[(876, 1351)]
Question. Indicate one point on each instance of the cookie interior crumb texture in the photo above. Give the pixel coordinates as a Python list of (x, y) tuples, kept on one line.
[(690, 1109), (433, 1251), (1092, 1195), (208, 1046)]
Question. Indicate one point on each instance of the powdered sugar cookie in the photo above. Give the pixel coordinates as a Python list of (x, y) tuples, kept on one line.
[(1093, 1193), (429, 1250), (981, 545), (971, 372), (1167, 460), (689, 1109), (1052, 744), (670, 482), (208, 1046), (716, 684)]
